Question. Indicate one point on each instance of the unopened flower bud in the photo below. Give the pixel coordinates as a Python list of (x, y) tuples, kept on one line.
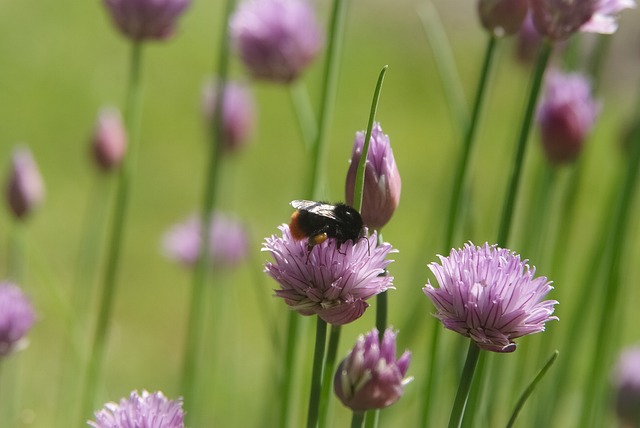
[(16, 317), (502, 17), (371, 377), (276, 39), (146, 19), (382, 182), (25, 188), (109, 140), (626, 386)]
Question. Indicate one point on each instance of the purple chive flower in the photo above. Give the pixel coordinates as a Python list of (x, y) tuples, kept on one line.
[(382, 182), (276, 39), (109, 139), (228, 241), (488, 294), (502, 17), (238, 117), (16, 318), (333, 283), (371, 377), (25, 188), (626, 384), (146, 19), (141, 411), (566, 115), (559, 19)]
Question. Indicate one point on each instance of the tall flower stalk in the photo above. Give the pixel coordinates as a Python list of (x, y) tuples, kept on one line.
[(109, 281)]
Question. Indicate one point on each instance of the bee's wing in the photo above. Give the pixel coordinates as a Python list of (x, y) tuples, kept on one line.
[(318, 208)]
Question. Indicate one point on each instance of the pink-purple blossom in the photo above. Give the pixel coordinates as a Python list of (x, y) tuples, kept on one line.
[(502, 17), (25, 187), (333, 283), (109, 139), (149, 410), (382, 183), (371, 377), (146, 19), (16, 317), (489, 295), (276, 39), (626, 387)]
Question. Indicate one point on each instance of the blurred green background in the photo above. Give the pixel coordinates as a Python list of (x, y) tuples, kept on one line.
[(61, 61)]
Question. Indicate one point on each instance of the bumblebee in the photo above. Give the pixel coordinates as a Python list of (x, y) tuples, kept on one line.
[(318, 221)]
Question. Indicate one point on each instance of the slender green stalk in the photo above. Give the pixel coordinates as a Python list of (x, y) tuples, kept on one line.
[(198, 301), (512, 190), (597, 60), (304, 112), (457, 412), (328, 371), (16, 253), (316, 376), (527, 392), (114, 250), (371, 418), (329, 85), (357, 419)]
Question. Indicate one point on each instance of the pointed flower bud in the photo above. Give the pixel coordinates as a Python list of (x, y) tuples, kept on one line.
[(146, 19), (238, 116), (109, 140), (141, 411), (559, 19), (25, 188), (566, 115), (528, 41), (276, 39), (16, 317), (228, 241), (382, 182), (626, 385), (489, 295), (333, 283), (502, 17), (371, 377)]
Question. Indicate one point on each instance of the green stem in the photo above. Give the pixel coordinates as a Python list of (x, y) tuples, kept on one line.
[(512, 190), (328, 371), (457, 412), (469, 138), (304, 112), (357, 419), (125, 178), (316, 376), (330, 81), (382, 302), (527, 392), (198, 301), (371, 418)]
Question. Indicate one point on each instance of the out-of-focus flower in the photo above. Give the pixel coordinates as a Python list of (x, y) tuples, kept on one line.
[(559, 19), (16, 318), (228, 241), (329, 282), (502, 17), (566, 115), (109, 139), (238, 116), (488, 294), (146, 19), (382, 182), (141, 411), (626, 385), (371, 377), (25, 188), (276, 39), (528, 41)]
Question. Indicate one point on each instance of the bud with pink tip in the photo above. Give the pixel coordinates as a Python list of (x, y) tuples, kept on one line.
[(25, 188), (109, 140)]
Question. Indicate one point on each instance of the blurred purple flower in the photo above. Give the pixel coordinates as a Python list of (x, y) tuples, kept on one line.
[(382, 182), (371, 377), (228, 241), (528, 41), (25, 188), (238, 113), (626, 384), (502, 17), (488, 294), (16, 317), (109, 139), (141, 411), (329, 282), (566, 115), (146, 19), (276, 39), (559, 19)]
